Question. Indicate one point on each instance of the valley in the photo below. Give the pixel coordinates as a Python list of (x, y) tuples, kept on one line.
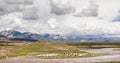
[(65, 51)]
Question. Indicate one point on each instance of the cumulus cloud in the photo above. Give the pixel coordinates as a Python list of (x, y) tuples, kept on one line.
[(19, 1), (31, 14), (60, 7), (52, 23), (58, 16), (9, 6), (92, 10)]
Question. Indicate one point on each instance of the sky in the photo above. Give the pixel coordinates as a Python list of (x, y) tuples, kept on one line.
[(61, 16)]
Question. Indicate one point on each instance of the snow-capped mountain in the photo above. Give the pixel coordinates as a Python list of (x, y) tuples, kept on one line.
[(27, 36)]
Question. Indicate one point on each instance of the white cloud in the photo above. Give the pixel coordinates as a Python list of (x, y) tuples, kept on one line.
[(53, 24), (18, 1), (91, 10), (35, 16), (60, 7)]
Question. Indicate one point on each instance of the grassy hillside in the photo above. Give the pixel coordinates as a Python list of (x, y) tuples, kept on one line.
[(92, 43), (109, 62), (47, 49), (95, 45)]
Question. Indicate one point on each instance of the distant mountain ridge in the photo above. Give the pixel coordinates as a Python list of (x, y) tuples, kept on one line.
[(32, 37)]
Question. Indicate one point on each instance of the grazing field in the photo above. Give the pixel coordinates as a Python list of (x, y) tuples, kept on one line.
[(109, 62), (51, 50), (95, 45), (59, 52)]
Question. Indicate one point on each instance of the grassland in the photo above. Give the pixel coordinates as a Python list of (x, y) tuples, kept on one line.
[(50, 50), (109, 62), (94, 45)]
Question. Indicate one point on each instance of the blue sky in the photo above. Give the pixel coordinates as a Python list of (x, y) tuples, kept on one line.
[(61, 16)]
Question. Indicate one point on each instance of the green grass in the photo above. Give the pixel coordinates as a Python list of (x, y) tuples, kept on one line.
[(67, 55), (109, 62), (38, 48), (94, 45), (64, 50), (118, 49)]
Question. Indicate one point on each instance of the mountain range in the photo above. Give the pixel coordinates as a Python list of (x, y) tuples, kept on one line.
[(13, 35)]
